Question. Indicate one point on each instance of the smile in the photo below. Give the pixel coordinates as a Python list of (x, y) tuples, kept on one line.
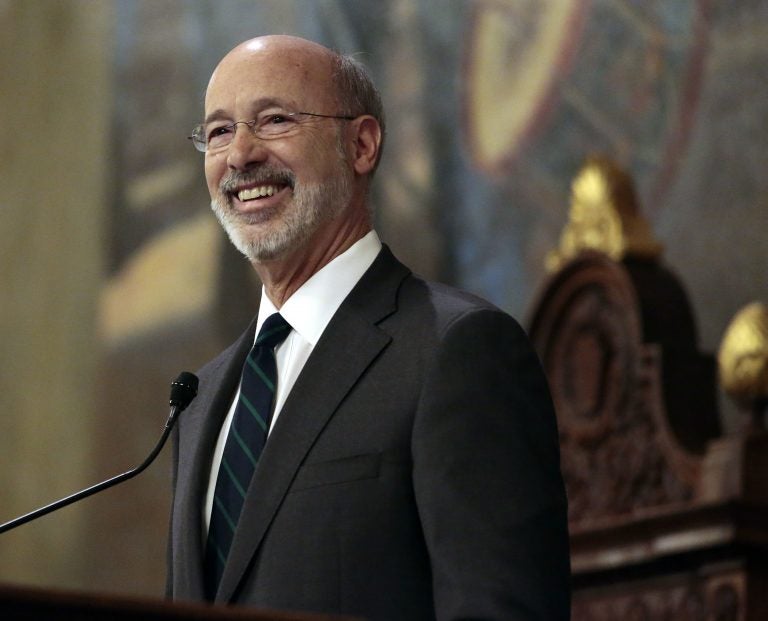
[(260, 191)]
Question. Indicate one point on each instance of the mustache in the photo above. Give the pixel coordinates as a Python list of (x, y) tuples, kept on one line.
[(234, 180)]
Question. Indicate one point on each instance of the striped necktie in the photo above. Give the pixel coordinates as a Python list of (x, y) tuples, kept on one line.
[(243, 447)]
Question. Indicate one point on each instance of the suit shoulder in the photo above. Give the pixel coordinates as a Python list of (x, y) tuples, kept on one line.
[(446, 304)]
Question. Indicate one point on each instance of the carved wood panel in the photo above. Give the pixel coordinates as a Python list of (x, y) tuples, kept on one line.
[(699, 599), (619, 454)]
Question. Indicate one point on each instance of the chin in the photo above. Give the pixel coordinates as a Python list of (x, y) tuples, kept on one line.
[(268, 245), (254, 244)]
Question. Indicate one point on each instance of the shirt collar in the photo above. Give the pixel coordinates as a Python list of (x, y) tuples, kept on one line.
[(311, 307)]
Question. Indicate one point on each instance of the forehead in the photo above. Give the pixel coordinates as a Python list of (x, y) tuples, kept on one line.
[(250, 75)]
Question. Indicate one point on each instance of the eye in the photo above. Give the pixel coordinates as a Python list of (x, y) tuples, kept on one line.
[(275, 123), (277, 119), (217, 132)]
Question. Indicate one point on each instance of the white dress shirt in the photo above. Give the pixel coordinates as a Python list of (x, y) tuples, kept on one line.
[(308, 311)]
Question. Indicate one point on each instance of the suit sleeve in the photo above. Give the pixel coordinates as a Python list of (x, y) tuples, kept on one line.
[(487, 476)]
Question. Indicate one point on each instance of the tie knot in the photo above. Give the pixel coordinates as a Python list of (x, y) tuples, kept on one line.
[(273, 332)]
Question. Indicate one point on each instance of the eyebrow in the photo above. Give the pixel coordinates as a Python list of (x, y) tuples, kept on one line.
[(256, 106), (216, 115)]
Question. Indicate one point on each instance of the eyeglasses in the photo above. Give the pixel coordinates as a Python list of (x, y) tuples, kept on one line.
[(265, 127)]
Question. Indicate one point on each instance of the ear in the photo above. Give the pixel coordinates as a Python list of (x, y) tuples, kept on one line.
[(367, 143)]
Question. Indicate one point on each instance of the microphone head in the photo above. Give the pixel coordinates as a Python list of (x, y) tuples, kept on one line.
[(183, 390)]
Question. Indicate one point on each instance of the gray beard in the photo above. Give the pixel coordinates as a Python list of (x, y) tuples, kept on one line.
[(310, 207)]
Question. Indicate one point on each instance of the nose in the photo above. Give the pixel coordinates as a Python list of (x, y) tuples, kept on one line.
[(245, 150)]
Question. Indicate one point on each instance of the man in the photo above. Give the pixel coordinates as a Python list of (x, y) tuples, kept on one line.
[(412, 468)]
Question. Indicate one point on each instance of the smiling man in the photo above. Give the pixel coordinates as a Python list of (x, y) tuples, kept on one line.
[(373, 444)]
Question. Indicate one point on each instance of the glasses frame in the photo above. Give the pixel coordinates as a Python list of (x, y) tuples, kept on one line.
[(200, 141)]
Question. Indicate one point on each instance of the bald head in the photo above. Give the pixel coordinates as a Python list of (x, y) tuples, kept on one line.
[(282, 44), (280, 56)]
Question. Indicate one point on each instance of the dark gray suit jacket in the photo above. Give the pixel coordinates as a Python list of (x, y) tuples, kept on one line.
[(413, 472)]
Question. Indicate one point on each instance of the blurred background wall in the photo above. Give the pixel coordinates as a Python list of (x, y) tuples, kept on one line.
[(115, 276)]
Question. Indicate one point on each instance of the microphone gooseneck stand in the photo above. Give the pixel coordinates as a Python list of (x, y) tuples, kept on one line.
[(183, 390)]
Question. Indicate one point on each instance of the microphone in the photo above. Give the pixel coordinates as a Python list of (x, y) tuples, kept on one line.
[(183, 390)]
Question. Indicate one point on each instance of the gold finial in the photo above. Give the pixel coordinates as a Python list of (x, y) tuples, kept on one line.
[(743, 360), (604, 216)]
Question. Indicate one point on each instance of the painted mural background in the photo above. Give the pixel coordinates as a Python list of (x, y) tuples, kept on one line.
[(493, 106)]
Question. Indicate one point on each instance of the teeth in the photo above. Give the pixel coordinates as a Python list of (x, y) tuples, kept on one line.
[(257, 192)]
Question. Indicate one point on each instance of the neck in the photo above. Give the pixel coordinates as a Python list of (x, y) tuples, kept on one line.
[(282, 277)]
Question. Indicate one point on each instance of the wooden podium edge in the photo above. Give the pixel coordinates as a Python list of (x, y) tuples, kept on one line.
[(19, 603)]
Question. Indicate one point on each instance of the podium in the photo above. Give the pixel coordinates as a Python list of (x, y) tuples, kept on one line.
[(668, 516), (24, 603)]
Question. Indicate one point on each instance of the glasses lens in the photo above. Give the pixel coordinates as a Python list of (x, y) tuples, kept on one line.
[(198, 138), (273, 125)]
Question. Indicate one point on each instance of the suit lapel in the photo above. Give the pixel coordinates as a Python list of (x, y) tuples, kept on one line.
[(331, 371), (199, 428)]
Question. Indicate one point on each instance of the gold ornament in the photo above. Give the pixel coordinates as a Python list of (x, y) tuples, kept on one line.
[(743, 357), (604, 216)]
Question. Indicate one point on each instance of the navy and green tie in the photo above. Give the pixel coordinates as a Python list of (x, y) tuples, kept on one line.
[(243, 447)]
